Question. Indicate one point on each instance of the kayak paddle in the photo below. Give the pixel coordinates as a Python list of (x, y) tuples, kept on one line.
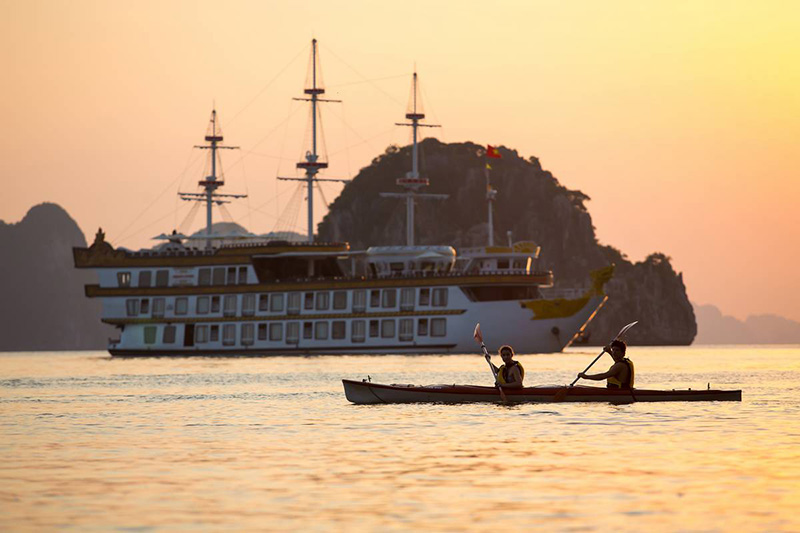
[(563, 392), (478, 336)]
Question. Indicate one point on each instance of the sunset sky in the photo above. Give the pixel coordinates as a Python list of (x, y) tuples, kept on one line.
[(681, 120)]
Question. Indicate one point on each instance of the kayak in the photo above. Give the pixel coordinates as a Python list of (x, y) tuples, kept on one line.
[(364, 392)]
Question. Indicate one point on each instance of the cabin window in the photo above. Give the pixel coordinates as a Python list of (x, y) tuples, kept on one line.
[(358, 330), (340, 300), (438, 327), (262, 332), (407, 299), (162, 278), (145, 278), (375, 298), (132, 307), (502, 264), (323, 301), (292, 333), (229, 334), (276, 331), (201, 334), (389, 298), (359, 301), (144, 307), (181, 305), (203, 305), (158, 307), (440, 297), (229, 305), (248, 304), (215, 304), (308, 302), (424, 297), (124, 279), (422, 327), (219, 276), (321, 330), (242, 275), (263, 302), (149, 334), (308, 330), (214, 337), (204, 277), (168, 337), (406, 329), (248, 334), (293, 306), (374, 328), (276, 303), (231, 279), (338, 329), (519, 264), (396, 268), (387, 329)]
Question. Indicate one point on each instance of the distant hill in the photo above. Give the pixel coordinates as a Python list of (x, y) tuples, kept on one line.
[(715, 328)]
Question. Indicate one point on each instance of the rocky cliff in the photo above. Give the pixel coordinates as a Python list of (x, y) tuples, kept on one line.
[(533, 205)]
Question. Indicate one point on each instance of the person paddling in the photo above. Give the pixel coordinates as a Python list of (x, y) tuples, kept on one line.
[(621, 373), (510, 374)]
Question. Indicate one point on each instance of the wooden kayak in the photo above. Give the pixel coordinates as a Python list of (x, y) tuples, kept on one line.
[(363, 392)]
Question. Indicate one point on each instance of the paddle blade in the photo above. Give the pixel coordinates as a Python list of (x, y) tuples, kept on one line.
[(477, 333), (624, 330)]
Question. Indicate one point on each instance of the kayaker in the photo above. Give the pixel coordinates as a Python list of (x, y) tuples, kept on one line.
[(510, 374), (621, 373)]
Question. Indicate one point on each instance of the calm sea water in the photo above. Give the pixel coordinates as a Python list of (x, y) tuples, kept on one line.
[(93, 443)]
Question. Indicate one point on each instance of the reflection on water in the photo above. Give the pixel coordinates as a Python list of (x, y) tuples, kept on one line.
[(92, 442)]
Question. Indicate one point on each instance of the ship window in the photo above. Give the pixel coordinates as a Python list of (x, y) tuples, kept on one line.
[(407, 299), (396, 268), (359, 301), (357, 332), (276, 303), (132, 307), (502, 264), (308, 302), (229, 305), (440, 297), (202, 305), (242, 275), (248, 304), (389, 298), (374, 328), (204, 277), (231, 280), (181, 306), (124, 279), (276, 331), (214, 337), (323, 300), (215, 304), (219, 276), (262, 332), (375, 298), (338, 329), (162, 278), (308, 330), (424, 297), (263, 302), (144, 278), (321, 330), (168, 335), (293, 304), (340, 300), (422, 327), (158, 307), (144, 307), (200, 334), (438, 327), (406, 329), (292, 333), (247, 334), (519, 264), (387, 329), (229, 334), (149, 334)]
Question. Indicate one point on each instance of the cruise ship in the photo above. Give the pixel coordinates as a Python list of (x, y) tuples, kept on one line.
[(254, 297)]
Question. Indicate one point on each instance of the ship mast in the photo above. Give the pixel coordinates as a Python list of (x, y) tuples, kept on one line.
[(412, 181), (312, 165), (211, 183)]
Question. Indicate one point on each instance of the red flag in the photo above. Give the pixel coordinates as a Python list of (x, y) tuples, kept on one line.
[(492, 152)]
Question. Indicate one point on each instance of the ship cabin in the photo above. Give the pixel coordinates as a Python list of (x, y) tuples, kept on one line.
[(396, 261)]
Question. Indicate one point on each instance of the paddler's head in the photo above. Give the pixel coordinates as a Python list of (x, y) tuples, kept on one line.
[(507, 353), (618, 348)]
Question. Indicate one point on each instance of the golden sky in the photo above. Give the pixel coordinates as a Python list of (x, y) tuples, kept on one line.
[(679, 119)]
